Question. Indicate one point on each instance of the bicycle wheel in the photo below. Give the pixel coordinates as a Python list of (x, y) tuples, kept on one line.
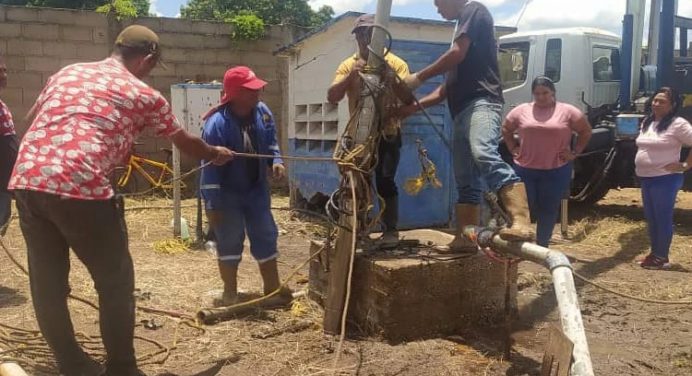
[(123, 183)]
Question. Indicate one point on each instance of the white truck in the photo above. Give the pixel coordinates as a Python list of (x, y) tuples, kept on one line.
[(592, 69)]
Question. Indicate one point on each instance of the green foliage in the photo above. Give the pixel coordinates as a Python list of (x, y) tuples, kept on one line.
[(141, 7), (120, 8), (272, 12), (246, 26)]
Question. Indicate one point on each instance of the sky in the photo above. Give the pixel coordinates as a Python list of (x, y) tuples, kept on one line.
[(539, 14)]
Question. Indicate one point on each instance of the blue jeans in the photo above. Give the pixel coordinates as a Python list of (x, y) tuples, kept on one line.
[(658, 197), (475, 152), (544, 191)]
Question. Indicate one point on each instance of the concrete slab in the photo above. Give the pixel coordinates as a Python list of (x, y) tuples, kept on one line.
[(414, 293)]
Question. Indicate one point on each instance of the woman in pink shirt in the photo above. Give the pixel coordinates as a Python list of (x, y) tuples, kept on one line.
[(544, 154), (660, 171)]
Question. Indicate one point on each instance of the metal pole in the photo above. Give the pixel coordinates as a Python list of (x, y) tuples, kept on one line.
[(176, 192), (626, 62), (666, 44), (654, 31), (563, 282)]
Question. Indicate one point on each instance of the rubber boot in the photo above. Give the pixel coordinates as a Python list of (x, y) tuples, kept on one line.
[(390, 219), (270, 277), (229, 276), (513, 197), (466, 215)]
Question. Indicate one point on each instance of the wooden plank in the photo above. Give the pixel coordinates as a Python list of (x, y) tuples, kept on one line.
[(558, 354), (338, 275)]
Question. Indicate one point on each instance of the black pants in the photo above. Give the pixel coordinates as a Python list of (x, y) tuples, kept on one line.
[(8, 155), (96, 232), (389, 153)]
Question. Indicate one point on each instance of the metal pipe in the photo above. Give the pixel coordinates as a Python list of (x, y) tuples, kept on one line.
[(636, 9), (11, 369), (654, 31), (666, 44), (563, 281), (626, 61)]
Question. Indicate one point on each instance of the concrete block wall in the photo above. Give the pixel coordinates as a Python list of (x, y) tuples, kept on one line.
[(37, 42)]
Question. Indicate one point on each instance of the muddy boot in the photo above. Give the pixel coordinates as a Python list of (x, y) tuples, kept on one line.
[(270, 276), (390, 219), (229, 276), (466, 215), (513, 197)]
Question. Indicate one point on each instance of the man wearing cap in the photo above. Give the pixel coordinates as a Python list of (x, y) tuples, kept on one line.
[(347, 83), (8, 153), (237, 197), (84, 122), (474, 95)]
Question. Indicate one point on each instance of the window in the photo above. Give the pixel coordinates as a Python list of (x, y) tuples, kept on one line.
[(606, 64), (553, 59), (513, 60)]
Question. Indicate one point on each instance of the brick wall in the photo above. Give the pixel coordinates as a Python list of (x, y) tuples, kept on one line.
[(36, 42)]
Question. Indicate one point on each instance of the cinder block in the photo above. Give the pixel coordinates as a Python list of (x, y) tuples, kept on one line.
[(175, 25), (66, 62), (12, 96), (57, 16), (21, 14), (405, 297), (180, 40), (29, 96), (10, 30), (3, 47), (150, 22), (3, 14), (22, 79), (188, 71), (42, 64), (93, 52), (208, 28), (101, 35), (174, 55), (60, 49), (24, 47), (218, 41), (40, 31), (14, 63), (89, 19), (227, 57), (77, 33), (259, 58), (214, 71)]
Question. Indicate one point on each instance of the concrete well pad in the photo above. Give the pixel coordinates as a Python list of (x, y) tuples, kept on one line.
[(409, 294)]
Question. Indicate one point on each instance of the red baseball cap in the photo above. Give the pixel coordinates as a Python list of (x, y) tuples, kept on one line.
[(239, 77)]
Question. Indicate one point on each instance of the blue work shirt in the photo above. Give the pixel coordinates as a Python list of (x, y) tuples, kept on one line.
[(224, 129)]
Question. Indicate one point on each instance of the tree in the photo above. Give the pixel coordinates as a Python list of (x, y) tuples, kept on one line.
[(141, 6), (271, 12)]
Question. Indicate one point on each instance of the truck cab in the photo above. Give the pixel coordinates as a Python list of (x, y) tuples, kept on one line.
[(584, 64)]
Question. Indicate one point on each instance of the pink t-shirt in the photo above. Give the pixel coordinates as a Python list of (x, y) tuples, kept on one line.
[(655, 150), (544, 133)]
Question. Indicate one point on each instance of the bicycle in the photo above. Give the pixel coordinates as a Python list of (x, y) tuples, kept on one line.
[(158, 174)]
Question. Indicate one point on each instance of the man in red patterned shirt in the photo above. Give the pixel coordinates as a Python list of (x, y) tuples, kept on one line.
[(8, 153), (84, 123)]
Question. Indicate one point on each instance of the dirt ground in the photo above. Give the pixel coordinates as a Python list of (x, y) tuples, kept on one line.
[(626, 337)]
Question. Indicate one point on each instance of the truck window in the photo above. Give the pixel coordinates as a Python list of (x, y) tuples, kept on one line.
[(553, 59), (606, 64), (513, 60)]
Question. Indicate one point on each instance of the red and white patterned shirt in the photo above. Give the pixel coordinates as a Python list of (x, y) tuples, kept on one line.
[(6, 124), (88, 116)]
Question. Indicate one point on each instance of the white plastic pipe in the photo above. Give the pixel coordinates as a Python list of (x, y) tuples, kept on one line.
[(563, 281), (11, 369)]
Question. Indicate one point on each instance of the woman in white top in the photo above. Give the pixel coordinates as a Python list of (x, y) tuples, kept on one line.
[(660, 171)]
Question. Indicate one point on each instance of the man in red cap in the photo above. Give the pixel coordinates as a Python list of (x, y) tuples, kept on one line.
[(84, 123), (236, 195), (347, 83)]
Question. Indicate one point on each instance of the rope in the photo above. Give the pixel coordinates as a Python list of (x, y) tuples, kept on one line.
[(621, 294)]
